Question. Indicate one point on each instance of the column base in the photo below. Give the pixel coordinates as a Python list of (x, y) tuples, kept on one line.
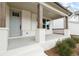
[(67, 32), (3, 39), (40, 35)]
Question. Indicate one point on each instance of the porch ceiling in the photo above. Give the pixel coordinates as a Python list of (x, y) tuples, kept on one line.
[(32, 6)]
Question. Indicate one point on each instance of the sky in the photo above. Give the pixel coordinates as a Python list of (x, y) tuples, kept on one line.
[(72, 5)]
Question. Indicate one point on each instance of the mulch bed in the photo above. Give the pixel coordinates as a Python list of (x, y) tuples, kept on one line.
[(77, 49), (53, 52)]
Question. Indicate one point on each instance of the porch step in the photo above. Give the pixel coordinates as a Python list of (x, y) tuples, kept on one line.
[(32, 50)]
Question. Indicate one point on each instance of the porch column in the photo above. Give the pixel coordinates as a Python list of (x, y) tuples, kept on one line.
[(3, 29), (2, 14), (40, 32), (66, 31), (66, 22)]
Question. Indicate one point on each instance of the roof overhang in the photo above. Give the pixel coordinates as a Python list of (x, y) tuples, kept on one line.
[(51, 9)]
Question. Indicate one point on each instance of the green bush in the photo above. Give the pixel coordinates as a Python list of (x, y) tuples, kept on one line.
[(71, 43), (63, 49)]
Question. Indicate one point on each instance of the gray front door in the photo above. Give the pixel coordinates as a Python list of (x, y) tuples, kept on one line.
[(15, 23)]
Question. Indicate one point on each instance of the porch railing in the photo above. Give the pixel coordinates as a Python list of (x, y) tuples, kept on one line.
[(58, 31)]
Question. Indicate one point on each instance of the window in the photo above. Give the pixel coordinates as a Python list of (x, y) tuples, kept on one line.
[(17, 14), (46, 24)]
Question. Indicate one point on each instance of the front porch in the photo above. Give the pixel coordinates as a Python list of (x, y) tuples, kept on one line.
[(32, 29)]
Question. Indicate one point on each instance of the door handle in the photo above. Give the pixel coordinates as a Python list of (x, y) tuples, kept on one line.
[(20, 27)]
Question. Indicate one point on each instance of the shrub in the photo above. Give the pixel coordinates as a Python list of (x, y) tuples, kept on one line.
[(63, 49), (71, 43)]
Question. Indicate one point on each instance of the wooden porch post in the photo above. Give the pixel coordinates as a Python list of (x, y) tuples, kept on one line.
[(66, 31), (2, 14), (66, 22), (40, 32), (3, 29), (39, 16)]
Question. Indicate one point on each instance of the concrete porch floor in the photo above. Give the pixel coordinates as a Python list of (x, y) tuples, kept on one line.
[(20, 42), (53, 36), (25, 41)]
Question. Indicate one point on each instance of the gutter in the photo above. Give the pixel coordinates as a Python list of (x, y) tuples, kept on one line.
[(63, 7)]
